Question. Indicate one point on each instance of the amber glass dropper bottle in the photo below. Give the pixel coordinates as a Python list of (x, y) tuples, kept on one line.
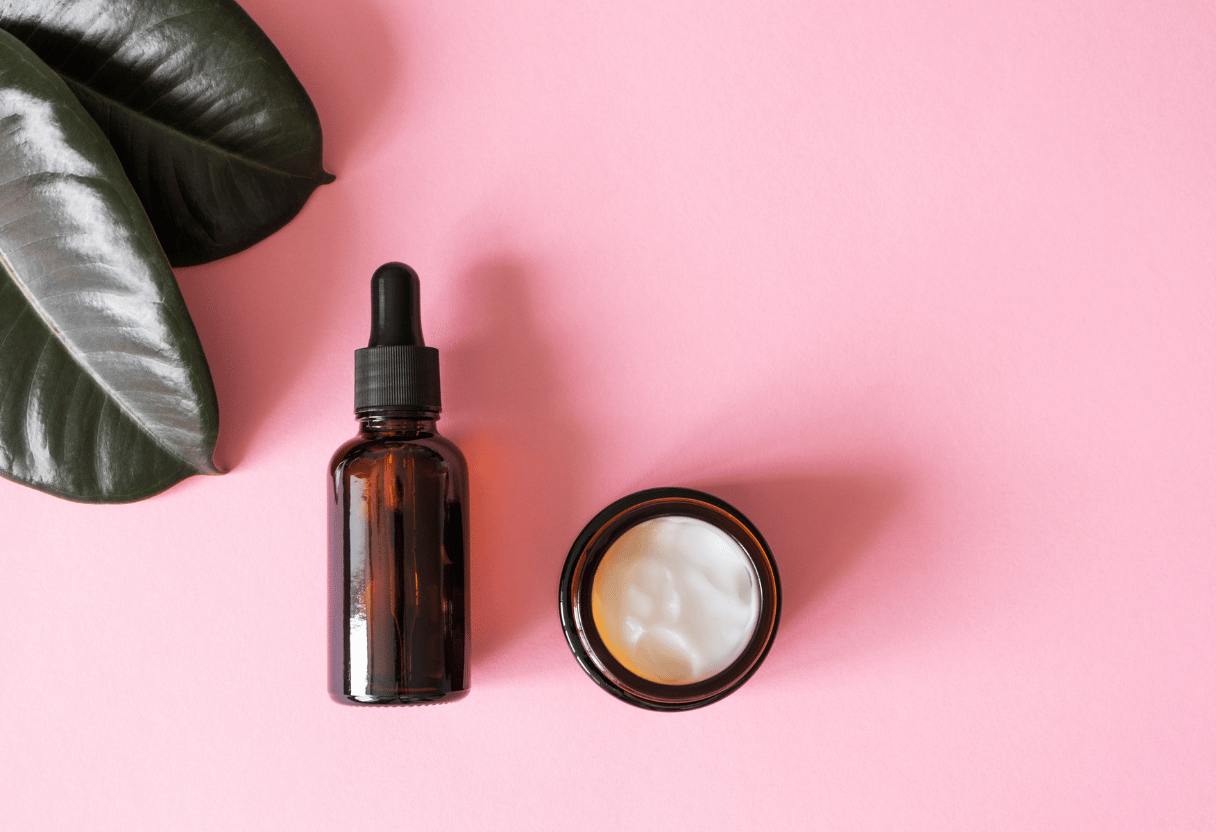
[(398, 522)]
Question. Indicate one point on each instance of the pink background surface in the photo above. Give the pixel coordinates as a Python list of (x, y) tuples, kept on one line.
[(926, 289)]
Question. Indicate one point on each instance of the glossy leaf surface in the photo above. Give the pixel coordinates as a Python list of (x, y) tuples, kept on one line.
[(215, 132), (105, 395)]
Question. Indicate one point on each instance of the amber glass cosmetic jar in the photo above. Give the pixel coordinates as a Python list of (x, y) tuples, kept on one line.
[(670, 599)]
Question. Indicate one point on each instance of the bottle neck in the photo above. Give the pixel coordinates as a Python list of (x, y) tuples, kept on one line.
[(407, 424)]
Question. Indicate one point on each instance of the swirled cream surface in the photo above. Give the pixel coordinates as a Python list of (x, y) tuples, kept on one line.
[(675, 600)]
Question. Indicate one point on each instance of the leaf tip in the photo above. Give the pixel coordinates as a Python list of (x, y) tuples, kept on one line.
[(208, 467)]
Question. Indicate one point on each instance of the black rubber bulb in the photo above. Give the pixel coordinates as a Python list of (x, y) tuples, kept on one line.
[(396, 316)]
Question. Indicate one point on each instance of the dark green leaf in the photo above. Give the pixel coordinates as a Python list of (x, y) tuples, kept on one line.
[(105, 395), (216, 134)]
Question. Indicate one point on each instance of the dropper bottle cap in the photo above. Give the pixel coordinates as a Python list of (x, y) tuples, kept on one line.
[(396, 371)]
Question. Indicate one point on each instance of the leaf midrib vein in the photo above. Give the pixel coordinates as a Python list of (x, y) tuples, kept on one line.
[(74, 352), (182, 134)]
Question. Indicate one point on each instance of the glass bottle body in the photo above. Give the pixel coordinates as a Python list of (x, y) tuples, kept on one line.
[(398, 560)]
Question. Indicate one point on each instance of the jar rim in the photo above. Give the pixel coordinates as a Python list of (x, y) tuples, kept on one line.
[(574, 597)]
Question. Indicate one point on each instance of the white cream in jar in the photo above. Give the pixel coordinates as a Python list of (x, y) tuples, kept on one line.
[(675, 599)]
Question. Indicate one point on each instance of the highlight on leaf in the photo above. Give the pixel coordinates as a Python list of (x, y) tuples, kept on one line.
[(215, 132), (105, 394)]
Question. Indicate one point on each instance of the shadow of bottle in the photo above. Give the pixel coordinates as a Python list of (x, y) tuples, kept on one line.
[(523, 451)]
